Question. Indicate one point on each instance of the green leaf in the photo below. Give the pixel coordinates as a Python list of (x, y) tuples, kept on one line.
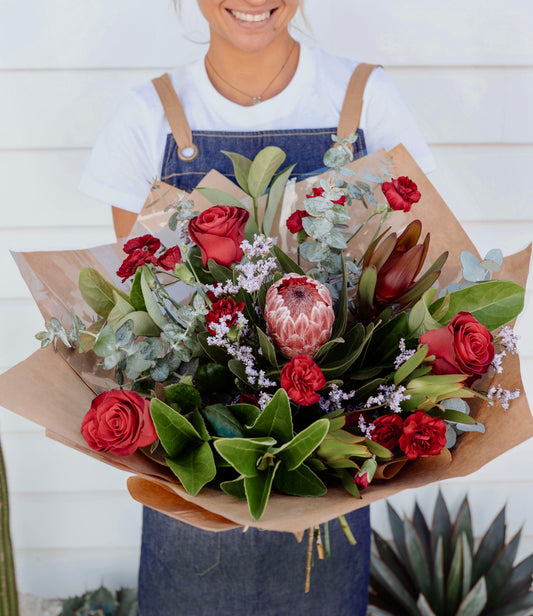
[(97, 291), (500, 570), (276, 419), (303, 444), (365, 293), (442, 526), (194, 468), (411, 364), (241, 168), (398, 531), (420, 319), (475, 601), (438, 572), (301, 481), (234, 488), (136, 298), (457, 417), (152, 306), (217, 354), (263, 169), (246, 414), (493, 303), (356, 340), (423, 606), (274, 196), (269, 352), (105, 342), (454, 580), (223, 421), (143, 324), (288, 266), (243, 453), (341, 317), (389, 556), (175, 432), (219, 197), (258, 490), (219, 272)]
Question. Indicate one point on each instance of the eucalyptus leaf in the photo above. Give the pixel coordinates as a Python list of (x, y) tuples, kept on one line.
[(314, 252), (316, 227), (152, 306), (105, 342), (135, 365), (335, 239)]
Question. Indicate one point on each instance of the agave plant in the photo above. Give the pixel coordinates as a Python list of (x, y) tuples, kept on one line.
[(436, 570), (102, 602)]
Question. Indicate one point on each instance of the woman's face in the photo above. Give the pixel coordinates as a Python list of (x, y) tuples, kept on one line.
[(249, 25)]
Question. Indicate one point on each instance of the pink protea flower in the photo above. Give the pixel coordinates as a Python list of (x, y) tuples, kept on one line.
[(299, 315)]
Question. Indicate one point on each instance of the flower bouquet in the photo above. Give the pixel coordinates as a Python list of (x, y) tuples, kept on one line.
[(278, 354)]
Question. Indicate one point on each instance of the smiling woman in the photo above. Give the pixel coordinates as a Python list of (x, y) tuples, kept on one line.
[(256, 86)]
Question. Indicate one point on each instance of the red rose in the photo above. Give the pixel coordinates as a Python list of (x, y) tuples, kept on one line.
[(401, 193), (318, 192), (294, 221), (464, 346), (219, 232), (223, 311), (423, 436), (301, 378), (137, 258), (387, 431), (118, 421), (148, 243), (170, 258)]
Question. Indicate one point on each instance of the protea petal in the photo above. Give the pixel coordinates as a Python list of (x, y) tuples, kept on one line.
[(299, 315)]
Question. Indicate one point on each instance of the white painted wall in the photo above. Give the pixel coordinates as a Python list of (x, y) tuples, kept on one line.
[(466, 70)]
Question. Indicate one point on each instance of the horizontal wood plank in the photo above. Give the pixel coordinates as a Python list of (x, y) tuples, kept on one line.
[(60, 34)]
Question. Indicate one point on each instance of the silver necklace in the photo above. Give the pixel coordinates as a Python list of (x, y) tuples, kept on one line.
[(255, 99)]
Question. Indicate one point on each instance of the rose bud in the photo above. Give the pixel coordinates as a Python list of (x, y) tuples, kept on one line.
[(301, 378), (118, 421), (299, 315), (219, 232), (423, 436), (366, 474), (401, 193), (464, 346)]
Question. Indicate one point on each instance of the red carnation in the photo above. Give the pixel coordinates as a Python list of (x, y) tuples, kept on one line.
[(387, 431), (223, 311), (170, 258), (294, 221), (401, 193), (118, 421), (148, 243), (423, 436), (301, 378), (135, 259)]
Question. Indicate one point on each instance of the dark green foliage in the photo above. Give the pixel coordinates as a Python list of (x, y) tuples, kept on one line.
[(434, 570)]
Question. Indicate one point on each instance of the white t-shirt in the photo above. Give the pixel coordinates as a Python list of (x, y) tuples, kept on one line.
[(128, 153)]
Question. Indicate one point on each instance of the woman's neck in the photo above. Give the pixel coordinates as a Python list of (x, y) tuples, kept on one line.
[(248, 77)]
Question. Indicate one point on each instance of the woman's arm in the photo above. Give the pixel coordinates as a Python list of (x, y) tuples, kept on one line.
[(123, 221)]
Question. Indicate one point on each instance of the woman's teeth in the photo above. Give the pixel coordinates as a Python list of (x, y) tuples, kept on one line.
[(250, 17)]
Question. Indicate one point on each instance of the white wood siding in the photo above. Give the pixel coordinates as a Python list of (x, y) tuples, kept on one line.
[(465, 69)]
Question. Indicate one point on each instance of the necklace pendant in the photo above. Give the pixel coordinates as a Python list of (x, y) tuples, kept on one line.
[(256, 100)]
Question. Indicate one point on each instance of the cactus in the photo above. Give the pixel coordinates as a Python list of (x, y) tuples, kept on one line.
[(102, 602), (8, 585), (434, 570)]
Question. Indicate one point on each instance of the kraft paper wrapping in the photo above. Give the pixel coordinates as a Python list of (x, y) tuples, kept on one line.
[(55, 389)]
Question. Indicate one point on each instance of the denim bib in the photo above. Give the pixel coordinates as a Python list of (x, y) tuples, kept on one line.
[(305, 147)]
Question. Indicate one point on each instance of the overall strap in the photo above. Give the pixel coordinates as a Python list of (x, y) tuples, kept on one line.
[(350, 116), (175, 115)]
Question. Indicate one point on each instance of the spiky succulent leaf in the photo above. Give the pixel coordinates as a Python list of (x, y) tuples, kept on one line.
[(501, 568), (454, 580), (418, 559), (518, 584), (424, 608), (474, 601), (491, 545), (441, 525), (386, 578), (389, 556)]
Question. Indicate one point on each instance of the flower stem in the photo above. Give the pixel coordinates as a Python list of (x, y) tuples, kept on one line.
[(327, 546), (347, 530), (309, 560)]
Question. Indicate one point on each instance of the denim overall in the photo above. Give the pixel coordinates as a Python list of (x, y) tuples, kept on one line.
[(185, 571)]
